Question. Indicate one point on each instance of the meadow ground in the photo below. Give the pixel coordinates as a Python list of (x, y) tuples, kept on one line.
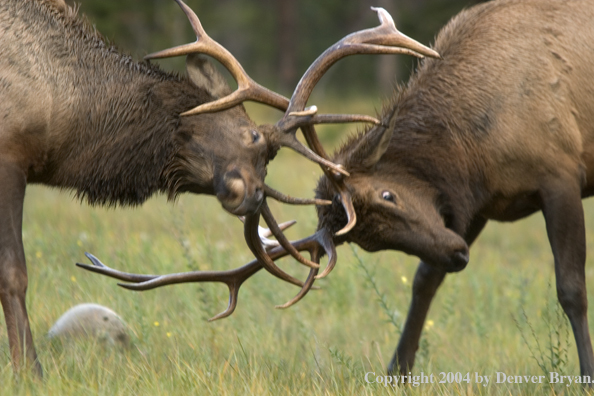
[(484, 320)]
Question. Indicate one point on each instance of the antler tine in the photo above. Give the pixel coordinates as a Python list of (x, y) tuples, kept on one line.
[(325, 240), (100, 268), (299, 119), (337, 180), (290, 140), (311, 278), (277, 195), (305, 120), (247, 89), (320, 240), (265, 233), (252, 238), (392, 37), (347, 203), (282, 239), (283, 226)]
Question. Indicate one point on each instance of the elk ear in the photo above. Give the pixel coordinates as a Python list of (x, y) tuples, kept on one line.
[(204, 75), (370, 147)]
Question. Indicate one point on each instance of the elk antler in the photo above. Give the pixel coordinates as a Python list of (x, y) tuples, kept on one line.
[(277, 195), (247, 89), (232, 278), (383, 39)]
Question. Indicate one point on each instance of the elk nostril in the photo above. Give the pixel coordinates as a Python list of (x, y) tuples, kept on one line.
[(258, 194), (460, 258)]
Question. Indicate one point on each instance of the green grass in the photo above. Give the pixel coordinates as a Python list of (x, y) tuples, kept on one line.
[(484, 320)]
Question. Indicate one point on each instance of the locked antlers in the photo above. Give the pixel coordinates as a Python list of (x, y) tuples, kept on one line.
[(383, 39)]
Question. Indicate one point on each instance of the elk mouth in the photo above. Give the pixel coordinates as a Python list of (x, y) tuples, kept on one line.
[(235, 196), (448, 260)]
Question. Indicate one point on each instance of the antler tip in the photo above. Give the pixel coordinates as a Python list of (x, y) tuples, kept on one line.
[(222, 315), (287, 224), (309, 111), (96, 262), (384, 16), (194, 111), (129, 286)]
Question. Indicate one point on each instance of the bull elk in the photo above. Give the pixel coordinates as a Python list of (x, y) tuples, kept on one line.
[(500, 128), (77, 114)]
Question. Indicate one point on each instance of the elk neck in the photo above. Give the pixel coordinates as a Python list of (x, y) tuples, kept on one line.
[(439, 149)]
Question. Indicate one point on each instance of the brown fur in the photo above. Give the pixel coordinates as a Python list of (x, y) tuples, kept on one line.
[(501, 127)]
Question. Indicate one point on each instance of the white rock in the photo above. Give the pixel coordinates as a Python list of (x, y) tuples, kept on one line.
[(91, 321)]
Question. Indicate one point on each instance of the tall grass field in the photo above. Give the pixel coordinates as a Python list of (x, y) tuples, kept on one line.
[(499, 315)]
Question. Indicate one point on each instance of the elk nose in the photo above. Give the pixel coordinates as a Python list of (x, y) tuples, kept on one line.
[(251, 202), (459, 259), (241, 193)]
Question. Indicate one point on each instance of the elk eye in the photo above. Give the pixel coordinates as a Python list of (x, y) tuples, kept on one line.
[(387, 196), (255, 136)]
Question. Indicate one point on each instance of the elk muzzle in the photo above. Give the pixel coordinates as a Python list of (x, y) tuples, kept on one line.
[(454, 254), (458, 260), (239, 193)]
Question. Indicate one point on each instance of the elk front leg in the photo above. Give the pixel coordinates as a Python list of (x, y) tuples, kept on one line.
[(13, 271), (427, 279), (564, 217)]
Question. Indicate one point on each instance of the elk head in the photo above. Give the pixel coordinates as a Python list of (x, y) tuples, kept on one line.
[(223, 154), (397, 208)]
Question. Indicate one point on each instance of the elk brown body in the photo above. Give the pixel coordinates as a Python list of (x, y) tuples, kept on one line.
[(499, 128), (76, 114)]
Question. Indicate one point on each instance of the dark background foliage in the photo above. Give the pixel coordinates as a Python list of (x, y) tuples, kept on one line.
[(276, 40)]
